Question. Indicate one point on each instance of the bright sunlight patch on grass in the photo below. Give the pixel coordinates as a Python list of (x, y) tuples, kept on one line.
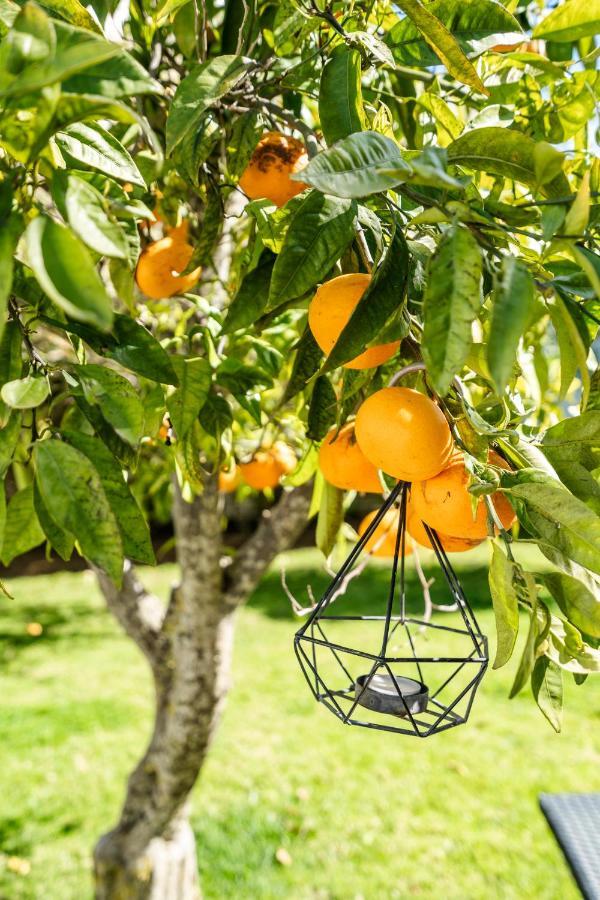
[(361, 814)]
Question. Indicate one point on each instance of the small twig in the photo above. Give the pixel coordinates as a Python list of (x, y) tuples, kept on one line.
[(363, 248), (425, 585)]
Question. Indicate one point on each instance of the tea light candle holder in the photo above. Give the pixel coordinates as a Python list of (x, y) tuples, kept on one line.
[(363, 686), (393, 694)]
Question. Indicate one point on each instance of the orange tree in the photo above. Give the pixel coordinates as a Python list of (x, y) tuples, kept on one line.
[(223, 228)]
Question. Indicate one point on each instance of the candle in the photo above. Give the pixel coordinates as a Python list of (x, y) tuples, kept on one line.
[(392, 694)]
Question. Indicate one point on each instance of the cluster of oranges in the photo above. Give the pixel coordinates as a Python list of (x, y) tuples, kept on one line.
[(404, 433), (267, 175), (264, 470)]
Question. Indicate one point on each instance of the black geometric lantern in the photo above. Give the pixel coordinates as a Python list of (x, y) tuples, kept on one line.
[(374, 662)]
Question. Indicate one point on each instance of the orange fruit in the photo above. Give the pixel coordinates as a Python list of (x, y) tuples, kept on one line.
[(416, 529), (329, 312), (404, 433), (159, 264), (267, 175), (446, 505), (382, 542), (229, 479), (284, 456), (268, 465), (536, 46), (343, 463)]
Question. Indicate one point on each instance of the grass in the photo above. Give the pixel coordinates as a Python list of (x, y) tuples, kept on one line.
[(360, 814)]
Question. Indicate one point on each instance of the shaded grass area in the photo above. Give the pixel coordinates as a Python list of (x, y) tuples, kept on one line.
[(359, 814)]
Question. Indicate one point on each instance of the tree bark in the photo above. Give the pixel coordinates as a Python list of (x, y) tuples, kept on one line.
[(151, 854)]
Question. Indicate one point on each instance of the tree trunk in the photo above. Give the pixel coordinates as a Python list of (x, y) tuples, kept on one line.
[(151, 854)]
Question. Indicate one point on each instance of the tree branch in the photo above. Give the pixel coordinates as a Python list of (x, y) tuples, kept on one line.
[(279, 529), (139, 613)]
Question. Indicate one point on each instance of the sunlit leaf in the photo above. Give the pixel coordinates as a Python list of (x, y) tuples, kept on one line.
[(341, 109), (319, 232), (66, 272), (72, 492), (452, 299)]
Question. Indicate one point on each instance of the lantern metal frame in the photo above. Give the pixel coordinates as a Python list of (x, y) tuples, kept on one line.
[(349, 703)]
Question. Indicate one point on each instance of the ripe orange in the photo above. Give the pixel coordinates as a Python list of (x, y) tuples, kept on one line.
[(446, 505), (343, 463), (159, 264), (404, 433), (229, 479), (382, 542), (268, 465), (329, 312), (275, 158), (416, 529)]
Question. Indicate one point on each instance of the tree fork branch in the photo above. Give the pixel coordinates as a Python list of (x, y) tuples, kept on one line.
[(140, 613), (279, 529)]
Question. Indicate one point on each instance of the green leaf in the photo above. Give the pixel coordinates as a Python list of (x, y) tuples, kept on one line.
[(322, 410), (306, 363), (22, 531), (72, 492), (355, 166), (30, 40), (502, 577), (73, 108), (318, 234), (383, 299), (572, 446), (528, 656), (73, 12), (330, 518), (66, 273), (252, 296), (121, 77), (443, 44), (216, 415), (116, 398), (452, 300), (9, 435), (205, 84), (548, 162), (25, 393), (578, 216), (96, 148), (135, 534), (60, 540), (341, 109), (9, 235), (580, 605), (76, 49), (2, 518), (552, 514), (84, 209), (11, 364), (573, 352), (546, 683), (8, 13), (187, 400), (476, 26), (137, 349), (503, 152), (512, 309), (570, 21), (246, 132), (568, 650)]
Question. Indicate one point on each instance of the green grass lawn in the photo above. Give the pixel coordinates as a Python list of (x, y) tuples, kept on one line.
[(361, 814)]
